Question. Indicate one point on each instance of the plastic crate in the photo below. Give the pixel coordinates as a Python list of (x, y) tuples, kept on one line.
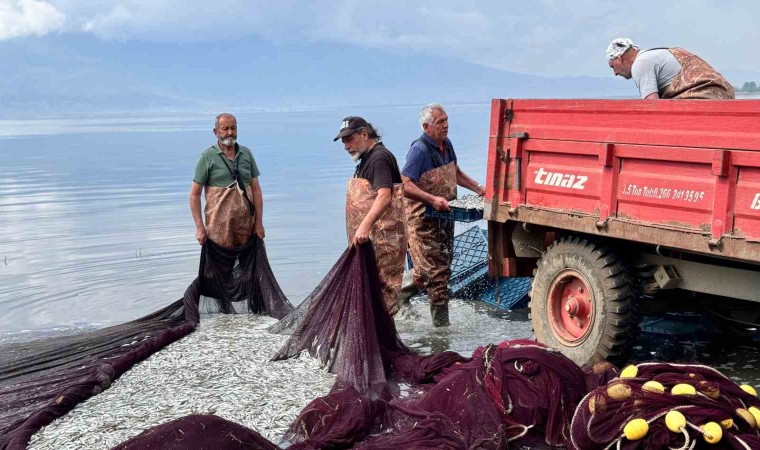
[(508, 293), (469, 284), (469, 274), (456, 214), (470, 249), (469, 263)]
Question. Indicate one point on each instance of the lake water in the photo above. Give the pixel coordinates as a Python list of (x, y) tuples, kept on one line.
[(95, 218), (96, 228)]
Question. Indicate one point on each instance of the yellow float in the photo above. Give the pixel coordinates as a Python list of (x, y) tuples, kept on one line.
[(683, 389), (636, 429), (653, 386), (675, 421), (629, 372), (711, 432)]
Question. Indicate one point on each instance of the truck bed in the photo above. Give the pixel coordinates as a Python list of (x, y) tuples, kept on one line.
[(684, 174)]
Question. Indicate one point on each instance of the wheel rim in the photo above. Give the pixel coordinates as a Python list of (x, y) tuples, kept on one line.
[(571, 307)]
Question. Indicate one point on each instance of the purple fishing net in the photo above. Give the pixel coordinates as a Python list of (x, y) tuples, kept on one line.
[(491, 401), (344, 324), (200, 432), (503, 394), (43, 380)]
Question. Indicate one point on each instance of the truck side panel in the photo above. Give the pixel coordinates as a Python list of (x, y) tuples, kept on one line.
[(666, 191), (747, 203), (683, 174)]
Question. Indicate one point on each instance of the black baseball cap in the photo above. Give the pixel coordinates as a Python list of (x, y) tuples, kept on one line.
[(350, 125)]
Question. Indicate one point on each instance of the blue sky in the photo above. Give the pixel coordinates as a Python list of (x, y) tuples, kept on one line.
[(130, 45)]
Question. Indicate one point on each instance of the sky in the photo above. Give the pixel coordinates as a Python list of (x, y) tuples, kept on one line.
[(546, 38)]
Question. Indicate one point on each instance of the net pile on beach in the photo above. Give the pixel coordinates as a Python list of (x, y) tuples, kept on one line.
[(43, 380), (512, 394), (660, 406), (485, 401)]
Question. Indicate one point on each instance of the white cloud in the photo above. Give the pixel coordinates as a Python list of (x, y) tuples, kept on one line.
[(28, 17), (115, 24), (549, 37)]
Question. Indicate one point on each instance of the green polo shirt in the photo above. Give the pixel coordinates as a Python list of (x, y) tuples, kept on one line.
[(213, 167)]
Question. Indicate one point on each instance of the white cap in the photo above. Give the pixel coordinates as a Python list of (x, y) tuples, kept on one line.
[(617, 47)]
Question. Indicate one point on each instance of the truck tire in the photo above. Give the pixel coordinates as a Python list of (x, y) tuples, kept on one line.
[(584, 303)]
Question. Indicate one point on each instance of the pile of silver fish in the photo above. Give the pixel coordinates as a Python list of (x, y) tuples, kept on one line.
[(468, 202), (222, 368)]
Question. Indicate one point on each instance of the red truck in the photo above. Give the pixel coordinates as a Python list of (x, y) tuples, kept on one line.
[(623, 207)]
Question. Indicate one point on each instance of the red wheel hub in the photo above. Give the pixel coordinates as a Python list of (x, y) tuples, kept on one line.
[(570, 307)]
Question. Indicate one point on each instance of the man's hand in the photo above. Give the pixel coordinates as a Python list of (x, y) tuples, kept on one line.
[(440, 204), (258, 229), (201, 235), (481, 190), (362, 235)]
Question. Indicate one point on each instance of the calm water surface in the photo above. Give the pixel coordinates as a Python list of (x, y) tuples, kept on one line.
[(95, 219), (96, 228)]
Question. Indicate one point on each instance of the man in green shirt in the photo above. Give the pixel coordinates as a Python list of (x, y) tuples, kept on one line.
[(228, 174)]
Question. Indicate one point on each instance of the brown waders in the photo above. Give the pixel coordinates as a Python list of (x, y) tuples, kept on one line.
[(431, 242), (388, 234), (229, 222), (696, 80)]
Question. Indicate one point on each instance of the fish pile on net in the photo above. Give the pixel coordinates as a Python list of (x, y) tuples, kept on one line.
[(500, 394), (509, 394), (43, 380), (222, 368)]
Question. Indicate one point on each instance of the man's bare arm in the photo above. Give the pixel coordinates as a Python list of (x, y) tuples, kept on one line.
[(466, 182), (195, 209), (258, 205)]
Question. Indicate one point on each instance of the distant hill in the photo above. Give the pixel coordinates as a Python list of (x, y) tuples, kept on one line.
[(75, 75)]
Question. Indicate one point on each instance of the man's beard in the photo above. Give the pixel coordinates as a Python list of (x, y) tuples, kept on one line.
[(356, 156), (228, 141)]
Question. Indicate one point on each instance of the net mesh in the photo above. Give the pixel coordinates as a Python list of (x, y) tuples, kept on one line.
[(386, 396), (42, 380), (503, 393)]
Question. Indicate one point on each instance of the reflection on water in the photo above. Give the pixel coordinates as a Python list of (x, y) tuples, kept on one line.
[(473, 324), (735, 357)]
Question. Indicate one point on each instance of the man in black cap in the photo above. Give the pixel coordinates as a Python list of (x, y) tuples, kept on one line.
[(375, 204)]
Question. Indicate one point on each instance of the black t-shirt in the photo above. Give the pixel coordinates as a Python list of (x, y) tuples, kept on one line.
[(379, 167)]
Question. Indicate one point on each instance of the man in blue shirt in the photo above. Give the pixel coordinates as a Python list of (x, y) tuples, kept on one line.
[(430, 177)]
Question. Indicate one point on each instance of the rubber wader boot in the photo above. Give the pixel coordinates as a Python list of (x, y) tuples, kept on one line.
[(440, 314), (408, 290)]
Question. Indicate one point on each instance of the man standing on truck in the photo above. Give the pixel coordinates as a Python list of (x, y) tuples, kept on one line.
[(431, 176), (667, 72), (375, 204), (229, 175)]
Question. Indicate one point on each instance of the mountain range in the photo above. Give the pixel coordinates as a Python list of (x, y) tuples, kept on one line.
[(75, 75)]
